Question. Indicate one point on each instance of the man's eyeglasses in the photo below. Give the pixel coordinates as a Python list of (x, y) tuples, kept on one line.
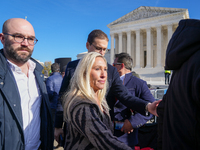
[(20, 38), (114, 64), (100, 49)]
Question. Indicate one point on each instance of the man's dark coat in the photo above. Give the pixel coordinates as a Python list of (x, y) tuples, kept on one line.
[(139, 88)]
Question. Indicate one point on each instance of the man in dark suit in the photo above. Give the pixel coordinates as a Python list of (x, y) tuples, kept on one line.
[(129, 119), (98, 41)]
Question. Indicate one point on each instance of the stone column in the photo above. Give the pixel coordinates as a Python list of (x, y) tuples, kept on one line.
[(137, 65), (124, 43), (129, 42), (116, 44), (159, 46), (142, 48), (149, 48), (112, 48), (133, 49), (120, 42), (169, 30)]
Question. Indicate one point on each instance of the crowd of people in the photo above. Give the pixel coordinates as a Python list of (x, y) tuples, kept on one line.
[(95, 105)]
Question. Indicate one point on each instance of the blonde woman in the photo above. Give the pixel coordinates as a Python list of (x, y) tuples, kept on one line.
[(85, 108)]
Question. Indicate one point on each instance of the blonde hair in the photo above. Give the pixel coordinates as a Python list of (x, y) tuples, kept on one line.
[(80, 84)]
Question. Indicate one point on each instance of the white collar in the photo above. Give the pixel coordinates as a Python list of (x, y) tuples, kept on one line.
[(15, 68)]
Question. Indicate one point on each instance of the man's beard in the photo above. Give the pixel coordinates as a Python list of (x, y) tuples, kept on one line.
[(20, 58)]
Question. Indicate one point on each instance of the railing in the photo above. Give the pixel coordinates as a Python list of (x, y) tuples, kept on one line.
[(157, 94)]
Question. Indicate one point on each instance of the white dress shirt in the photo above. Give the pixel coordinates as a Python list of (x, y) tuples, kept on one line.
[(30, 104), (122, 78)]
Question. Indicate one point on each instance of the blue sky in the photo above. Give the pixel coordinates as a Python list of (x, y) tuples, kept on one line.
[(62, 26)]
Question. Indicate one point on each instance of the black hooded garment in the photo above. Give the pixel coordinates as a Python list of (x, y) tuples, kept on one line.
[(179, 112)]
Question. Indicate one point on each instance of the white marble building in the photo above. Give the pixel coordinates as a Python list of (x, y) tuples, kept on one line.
[(144, 33)]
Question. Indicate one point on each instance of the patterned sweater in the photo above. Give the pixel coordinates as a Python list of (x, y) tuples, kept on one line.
[(89, 129)]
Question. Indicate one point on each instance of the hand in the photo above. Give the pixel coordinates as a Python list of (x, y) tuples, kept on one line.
[(57, 133), (152, 107), (127, 127)]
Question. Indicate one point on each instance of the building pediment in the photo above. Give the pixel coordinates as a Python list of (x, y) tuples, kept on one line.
[(144, 12)]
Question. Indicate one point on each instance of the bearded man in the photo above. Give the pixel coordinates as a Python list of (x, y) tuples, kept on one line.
[(25, 118)]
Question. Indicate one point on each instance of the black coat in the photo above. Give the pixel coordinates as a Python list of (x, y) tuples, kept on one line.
[(179, 112)]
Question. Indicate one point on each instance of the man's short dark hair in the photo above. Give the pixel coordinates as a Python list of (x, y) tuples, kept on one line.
[(96, 34), (126, 59), (55, 67)]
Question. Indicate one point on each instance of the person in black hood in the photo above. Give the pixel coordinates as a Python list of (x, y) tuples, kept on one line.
[(179, 111)]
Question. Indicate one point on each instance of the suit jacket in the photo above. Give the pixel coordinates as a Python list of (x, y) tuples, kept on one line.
[(115, 89), (11, 123), (139, 88)]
